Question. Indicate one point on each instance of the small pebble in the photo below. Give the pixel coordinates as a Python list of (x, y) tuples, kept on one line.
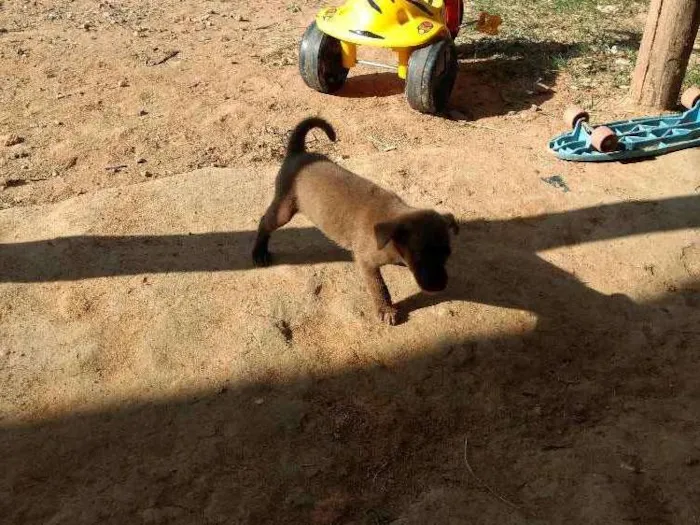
[(142, 112), (123, 83), (13, 140)]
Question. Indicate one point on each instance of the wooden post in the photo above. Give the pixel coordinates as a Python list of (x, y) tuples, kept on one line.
[(663, 55)]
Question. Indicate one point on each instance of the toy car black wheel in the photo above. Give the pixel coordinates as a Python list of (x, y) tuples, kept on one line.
[(432, 71), (321, 61)]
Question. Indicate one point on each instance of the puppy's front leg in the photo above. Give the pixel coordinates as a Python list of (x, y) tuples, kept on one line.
[(379, 292)]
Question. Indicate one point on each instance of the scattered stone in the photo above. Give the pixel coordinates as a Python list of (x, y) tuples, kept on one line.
[(87, 26), (690, 257), (142, 112), (535, 107), (57, 123), (558, 182), (285, 330), (259, 400), (607, 9), (167, 55), (141, 161), (123, 83), (381, 145), (241, 18), (116, 168), (631, 468), (147, 174), (71, 163), (13, 140), (14, 183)]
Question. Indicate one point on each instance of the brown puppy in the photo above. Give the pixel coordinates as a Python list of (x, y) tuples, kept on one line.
[(373, 223)]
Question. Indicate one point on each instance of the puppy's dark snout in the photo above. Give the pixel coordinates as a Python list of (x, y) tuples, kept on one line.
[(432, 280)]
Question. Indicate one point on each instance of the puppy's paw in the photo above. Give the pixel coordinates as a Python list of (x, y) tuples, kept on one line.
[(388, 315), (262, 257)]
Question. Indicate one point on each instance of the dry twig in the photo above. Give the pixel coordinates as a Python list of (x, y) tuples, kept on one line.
[(482, 483)]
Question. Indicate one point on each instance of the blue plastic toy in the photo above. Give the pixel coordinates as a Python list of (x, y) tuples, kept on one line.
[(629, 139)]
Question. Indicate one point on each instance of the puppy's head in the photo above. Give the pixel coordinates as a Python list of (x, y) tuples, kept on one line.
[(423, 241)]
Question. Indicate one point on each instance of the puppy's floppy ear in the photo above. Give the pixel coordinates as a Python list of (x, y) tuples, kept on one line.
[(451, 222), (386, 231)]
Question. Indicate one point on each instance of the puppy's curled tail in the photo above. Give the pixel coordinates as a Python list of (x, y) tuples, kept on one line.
[(297, 142)]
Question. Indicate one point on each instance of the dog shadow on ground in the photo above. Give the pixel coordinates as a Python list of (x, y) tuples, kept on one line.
[(589, 418)]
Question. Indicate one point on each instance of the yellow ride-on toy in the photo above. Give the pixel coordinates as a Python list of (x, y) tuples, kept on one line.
[(420, 32)]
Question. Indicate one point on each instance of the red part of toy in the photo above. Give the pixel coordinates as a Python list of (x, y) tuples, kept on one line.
[(454, 11)]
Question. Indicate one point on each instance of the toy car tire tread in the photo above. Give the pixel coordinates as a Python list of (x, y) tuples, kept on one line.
[(321, 61), (427, 88)]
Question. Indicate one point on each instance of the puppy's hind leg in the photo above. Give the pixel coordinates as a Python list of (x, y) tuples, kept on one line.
[(277, 215)]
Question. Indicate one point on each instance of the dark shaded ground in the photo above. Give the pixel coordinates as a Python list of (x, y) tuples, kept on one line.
[(571, 411)]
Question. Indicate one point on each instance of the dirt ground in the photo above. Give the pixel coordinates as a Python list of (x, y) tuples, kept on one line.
[(148, 374)]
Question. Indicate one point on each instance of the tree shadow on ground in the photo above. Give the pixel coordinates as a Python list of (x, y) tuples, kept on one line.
[(571, 422), (590, 417), (87, 256), (499, 75), (496, 75)]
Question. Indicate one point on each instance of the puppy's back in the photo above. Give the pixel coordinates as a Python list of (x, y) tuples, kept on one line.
[(343, 205)]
